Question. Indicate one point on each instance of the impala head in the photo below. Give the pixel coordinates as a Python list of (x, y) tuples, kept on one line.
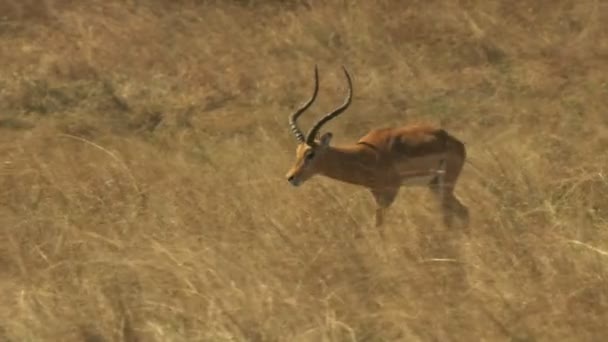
[(310, 149)]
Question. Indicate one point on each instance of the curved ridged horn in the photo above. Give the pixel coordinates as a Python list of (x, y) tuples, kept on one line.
[(294, 117), (317, 126)]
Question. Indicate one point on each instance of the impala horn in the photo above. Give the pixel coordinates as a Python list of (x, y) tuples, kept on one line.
[(317, 126), (293, 118)]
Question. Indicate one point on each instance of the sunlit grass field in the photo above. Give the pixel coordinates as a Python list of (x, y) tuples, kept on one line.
[(143, 148)]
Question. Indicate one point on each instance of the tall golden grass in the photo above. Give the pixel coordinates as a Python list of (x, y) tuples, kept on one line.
[(143, 146)]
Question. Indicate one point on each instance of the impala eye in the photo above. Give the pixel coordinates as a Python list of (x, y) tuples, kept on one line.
[(310, 155)]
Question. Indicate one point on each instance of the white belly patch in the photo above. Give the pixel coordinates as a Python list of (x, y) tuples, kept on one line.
[(418, 180), (420, 171)]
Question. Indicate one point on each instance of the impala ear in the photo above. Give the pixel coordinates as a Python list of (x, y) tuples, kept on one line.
[(326, 138)]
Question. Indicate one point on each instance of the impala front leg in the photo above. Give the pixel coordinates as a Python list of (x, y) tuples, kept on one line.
[(384, 197), (379, 216)]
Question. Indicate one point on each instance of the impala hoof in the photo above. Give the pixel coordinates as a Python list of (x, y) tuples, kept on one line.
[(293, 181)]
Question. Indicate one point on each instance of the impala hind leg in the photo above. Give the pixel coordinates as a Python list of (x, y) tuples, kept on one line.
[(442, 187), (384, 198)]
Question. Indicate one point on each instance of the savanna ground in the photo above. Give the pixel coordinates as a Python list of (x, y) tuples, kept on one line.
[(143, 146)]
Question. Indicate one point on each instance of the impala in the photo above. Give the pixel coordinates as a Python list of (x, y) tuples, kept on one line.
[(383, 160)]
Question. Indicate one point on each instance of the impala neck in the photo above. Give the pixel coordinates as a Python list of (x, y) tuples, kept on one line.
[(354, 164)]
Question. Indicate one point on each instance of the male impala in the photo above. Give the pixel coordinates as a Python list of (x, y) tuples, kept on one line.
[(383, 160)]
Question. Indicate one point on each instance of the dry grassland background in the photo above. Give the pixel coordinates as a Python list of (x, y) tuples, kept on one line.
[(143, 147)]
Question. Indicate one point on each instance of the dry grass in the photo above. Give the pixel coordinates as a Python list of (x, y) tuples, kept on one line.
[(143, 147)]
